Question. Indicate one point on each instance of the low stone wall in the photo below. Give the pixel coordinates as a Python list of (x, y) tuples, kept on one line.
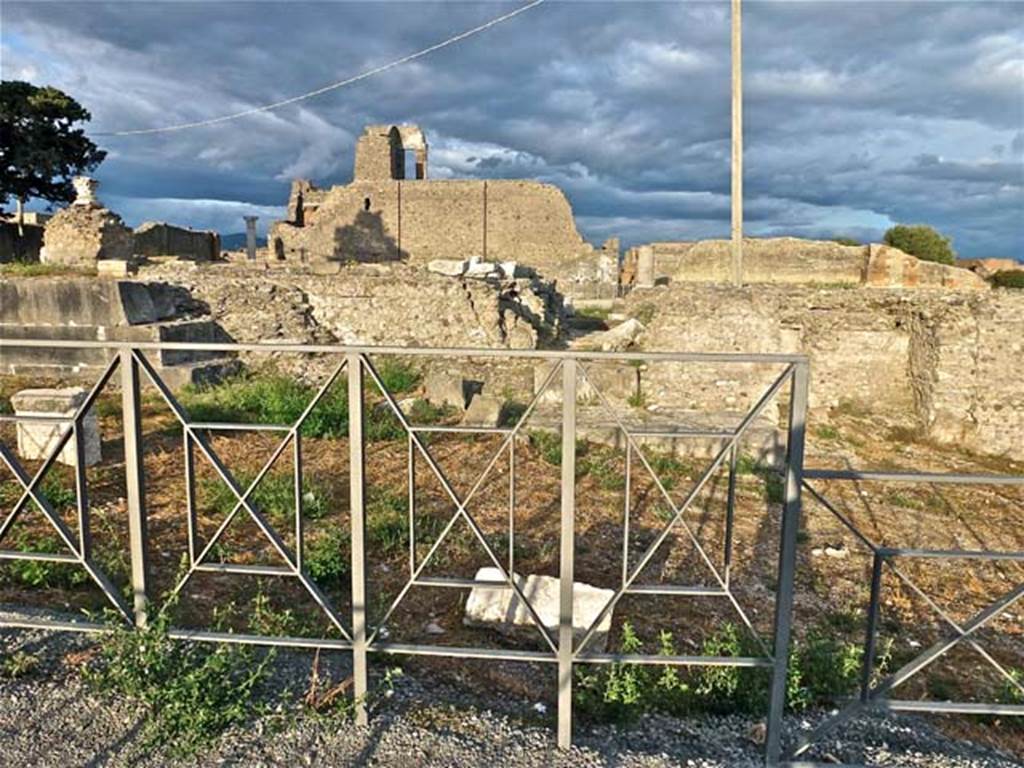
[(791, 260), (394, 305), (157, 238), (949, 363)]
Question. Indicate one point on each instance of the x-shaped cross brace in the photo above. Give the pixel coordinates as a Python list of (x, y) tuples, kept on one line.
[(82, 551), (679, 510), (292, 559), (461, 503)]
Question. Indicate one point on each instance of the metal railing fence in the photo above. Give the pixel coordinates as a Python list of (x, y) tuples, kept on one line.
[(561, 648)]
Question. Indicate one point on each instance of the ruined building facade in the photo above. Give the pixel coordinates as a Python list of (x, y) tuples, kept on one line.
[(383, 215)]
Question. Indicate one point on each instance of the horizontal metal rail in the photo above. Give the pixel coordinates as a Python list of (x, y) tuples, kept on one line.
[(458, 352)]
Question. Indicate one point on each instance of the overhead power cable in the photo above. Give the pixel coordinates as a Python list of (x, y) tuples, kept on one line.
[(333, 86)]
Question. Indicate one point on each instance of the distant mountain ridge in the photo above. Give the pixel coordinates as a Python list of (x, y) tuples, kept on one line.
[(235, 241)]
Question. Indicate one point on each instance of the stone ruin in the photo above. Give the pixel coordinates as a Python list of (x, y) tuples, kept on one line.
[(86, 232), (385, 216), (399, 259)]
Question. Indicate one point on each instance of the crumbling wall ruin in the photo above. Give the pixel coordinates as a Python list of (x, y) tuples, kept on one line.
[(792, 260), (950, 364), (385, 216), (397, 305), (418, 221), (158, 238)]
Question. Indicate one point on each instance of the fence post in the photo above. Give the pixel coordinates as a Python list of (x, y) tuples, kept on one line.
[(787, 560), (134, 484), (565, 571), (357, 513)]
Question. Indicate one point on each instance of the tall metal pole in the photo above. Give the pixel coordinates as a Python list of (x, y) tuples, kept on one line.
[(737, 145), (131, 417), (357, 512)]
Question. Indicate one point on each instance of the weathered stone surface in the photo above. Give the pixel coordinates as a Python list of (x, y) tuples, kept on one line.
[(645, 266), (889, 267), (85, 232), (449, 267), (484, 411), (617, 339), (499, 606), (380, 217), (396, 304), (115, 268), (444, 389), (36, 439), (795, 260), (158, 238), (949, 362)]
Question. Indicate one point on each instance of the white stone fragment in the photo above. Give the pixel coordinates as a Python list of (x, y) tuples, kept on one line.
[(618, 338), (37, 439), (449, 267), (499, 605)]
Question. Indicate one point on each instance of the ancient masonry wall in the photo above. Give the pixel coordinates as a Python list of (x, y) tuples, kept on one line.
[(502, 220), (950, 364), (790, 260), (157, 238)]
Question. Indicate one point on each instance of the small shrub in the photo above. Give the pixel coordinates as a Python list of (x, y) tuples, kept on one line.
[(846, 241), (327, 557), (826, 432), (42, 573), (645, 313), (18, 664), (387, 522), (637, 399), (1009, 278), (548, 445), (606, 468), (922, 241), (398, 376), (273, 497), (191, 692)]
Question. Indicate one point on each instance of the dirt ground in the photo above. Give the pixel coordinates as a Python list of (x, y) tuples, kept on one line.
[(834, 568)]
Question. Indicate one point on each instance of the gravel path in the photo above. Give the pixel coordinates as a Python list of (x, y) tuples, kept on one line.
[(50, 718)]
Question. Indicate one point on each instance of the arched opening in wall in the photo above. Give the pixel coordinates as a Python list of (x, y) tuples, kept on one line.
[(409, 164), (366, 204)]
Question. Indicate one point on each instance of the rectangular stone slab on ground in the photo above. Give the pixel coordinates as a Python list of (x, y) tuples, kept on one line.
[(36, 439), (500, 607)]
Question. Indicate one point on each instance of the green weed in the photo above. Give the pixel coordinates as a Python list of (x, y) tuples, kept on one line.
[(18, 664), (191, 692)]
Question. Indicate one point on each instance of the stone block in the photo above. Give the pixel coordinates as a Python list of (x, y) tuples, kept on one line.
[(443, 389), (484, 411), (500, 607), (449, 267), (115, 268), (37, 439), (618, 338)]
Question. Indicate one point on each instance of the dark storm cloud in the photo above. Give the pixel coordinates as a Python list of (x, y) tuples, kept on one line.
[(858, 114)]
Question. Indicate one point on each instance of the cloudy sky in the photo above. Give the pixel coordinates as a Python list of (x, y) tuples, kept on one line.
[(858, 114)]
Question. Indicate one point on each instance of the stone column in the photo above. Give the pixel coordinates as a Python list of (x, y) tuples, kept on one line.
[(250, 237), (645, 266)]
